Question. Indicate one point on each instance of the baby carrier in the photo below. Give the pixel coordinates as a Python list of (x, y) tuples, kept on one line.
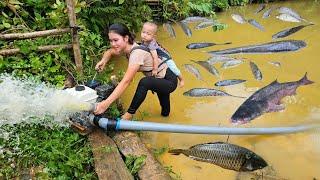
[(164, 56)]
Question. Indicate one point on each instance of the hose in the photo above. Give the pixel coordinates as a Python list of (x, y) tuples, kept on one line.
[(120, 124)]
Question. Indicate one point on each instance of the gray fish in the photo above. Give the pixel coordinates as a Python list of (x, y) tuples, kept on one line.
[(193, 70), (267, 99), (267, 13), (208, 67), (204, 24), (271, 47), (220, 58), (201, 92), (231, 63), (255, 71), (203, 45), (275, 63), (289, 31), (260, 8), (291, 12), (238, 18), (195, 19), (229, 82), (185, 28), (170, 29), (225, 155), (255, 24), (288, 18)]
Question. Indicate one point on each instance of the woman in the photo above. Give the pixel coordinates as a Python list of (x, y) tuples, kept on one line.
[(165, 82)]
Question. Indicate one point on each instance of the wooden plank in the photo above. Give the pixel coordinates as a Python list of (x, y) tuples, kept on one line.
[(129, 143), (74, 34), (7, 52), (107, 159), (34, 34)]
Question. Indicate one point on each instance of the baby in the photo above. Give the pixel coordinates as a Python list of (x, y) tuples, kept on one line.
[(148, 35)]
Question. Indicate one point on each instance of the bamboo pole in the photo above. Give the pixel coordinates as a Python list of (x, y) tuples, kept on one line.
[(34, 34), (7, 52), (74, 34)]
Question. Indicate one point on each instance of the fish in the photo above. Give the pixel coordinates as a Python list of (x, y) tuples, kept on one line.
[(204, 24), (289, 31), (288, 18), (193, 70), (255, 71), (267, 99), (229, 82), (219, 58), (271, 47), (226, 155), (275, 63), (260, 8), (202, 92), (267, 13), (204, 44), (256, 24), (185, 28), (238, 18), (291, 12), (195, 19), (169, 29), (208, 67), (231, 63)]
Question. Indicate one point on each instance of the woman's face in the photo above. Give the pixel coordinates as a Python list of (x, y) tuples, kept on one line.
[(118, 42)]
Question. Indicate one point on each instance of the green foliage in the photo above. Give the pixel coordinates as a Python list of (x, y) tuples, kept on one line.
[(219, 26), (131, 13), (55, 153), (160, 151), (220, 4), (174, 175), (238, 2), (134, 163)]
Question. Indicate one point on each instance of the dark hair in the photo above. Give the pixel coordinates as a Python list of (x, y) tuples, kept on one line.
[(122, 30)]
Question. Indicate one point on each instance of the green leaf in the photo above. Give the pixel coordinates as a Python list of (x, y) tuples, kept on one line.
[(121, 1)]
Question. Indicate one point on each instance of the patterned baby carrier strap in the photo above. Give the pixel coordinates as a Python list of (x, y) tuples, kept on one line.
[(164, 58)]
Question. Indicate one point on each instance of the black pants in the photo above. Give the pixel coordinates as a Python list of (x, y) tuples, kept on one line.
[(163, 88)]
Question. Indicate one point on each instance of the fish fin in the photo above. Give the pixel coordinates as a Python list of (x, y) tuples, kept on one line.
[(176, 151), (304, 80)]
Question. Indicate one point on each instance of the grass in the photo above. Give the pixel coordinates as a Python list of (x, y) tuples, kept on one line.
[(45, 153)]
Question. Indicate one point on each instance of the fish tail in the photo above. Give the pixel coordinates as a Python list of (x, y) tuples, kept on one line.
[(305, 80), (176, 151)]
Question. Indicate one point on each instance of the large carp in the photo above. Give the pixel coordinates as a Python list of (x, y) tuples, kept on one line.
[(225, 155), (267, 99), (271, 47)]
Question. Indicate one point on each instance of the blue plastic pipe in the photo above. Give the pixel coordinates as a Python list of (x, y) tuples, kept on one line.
[(120, 124)]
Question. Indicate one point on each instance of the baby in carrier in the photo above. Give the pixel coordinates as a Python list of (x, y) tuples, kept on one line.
[(148, 35)]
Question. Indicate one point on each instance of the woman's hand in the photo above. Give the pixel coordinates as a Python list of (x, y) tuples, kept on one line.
[(100, 65), (101, 108)]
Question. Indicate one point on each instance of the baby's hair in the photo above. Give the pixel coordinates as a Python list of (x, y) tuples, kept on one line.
[(154, 25)]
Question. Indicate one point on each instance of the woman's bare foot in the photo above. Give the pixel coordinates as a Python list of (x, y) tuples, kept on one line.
[(127, 116)]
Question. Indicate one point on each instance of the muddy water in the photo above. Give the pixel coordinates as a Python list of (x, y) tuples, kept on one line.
[(295, 156)]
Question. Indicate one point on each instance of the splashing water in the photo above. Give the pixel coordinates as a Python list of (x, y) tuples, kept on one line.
[(26, 101)]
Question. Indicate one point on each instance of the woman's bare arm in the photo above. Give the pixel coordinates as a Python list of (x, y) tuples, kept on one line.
[(105, 58), (121, 87)]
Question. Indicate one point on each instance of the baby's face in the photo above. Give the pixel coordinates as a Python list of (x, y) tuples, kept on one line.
[(147, 33)]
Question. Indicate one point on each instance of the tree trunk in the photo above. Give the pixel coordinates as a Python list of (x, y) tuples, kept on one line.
[(130, 144), (107, 159), (34, 34), (7, 52), (74, 34)]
